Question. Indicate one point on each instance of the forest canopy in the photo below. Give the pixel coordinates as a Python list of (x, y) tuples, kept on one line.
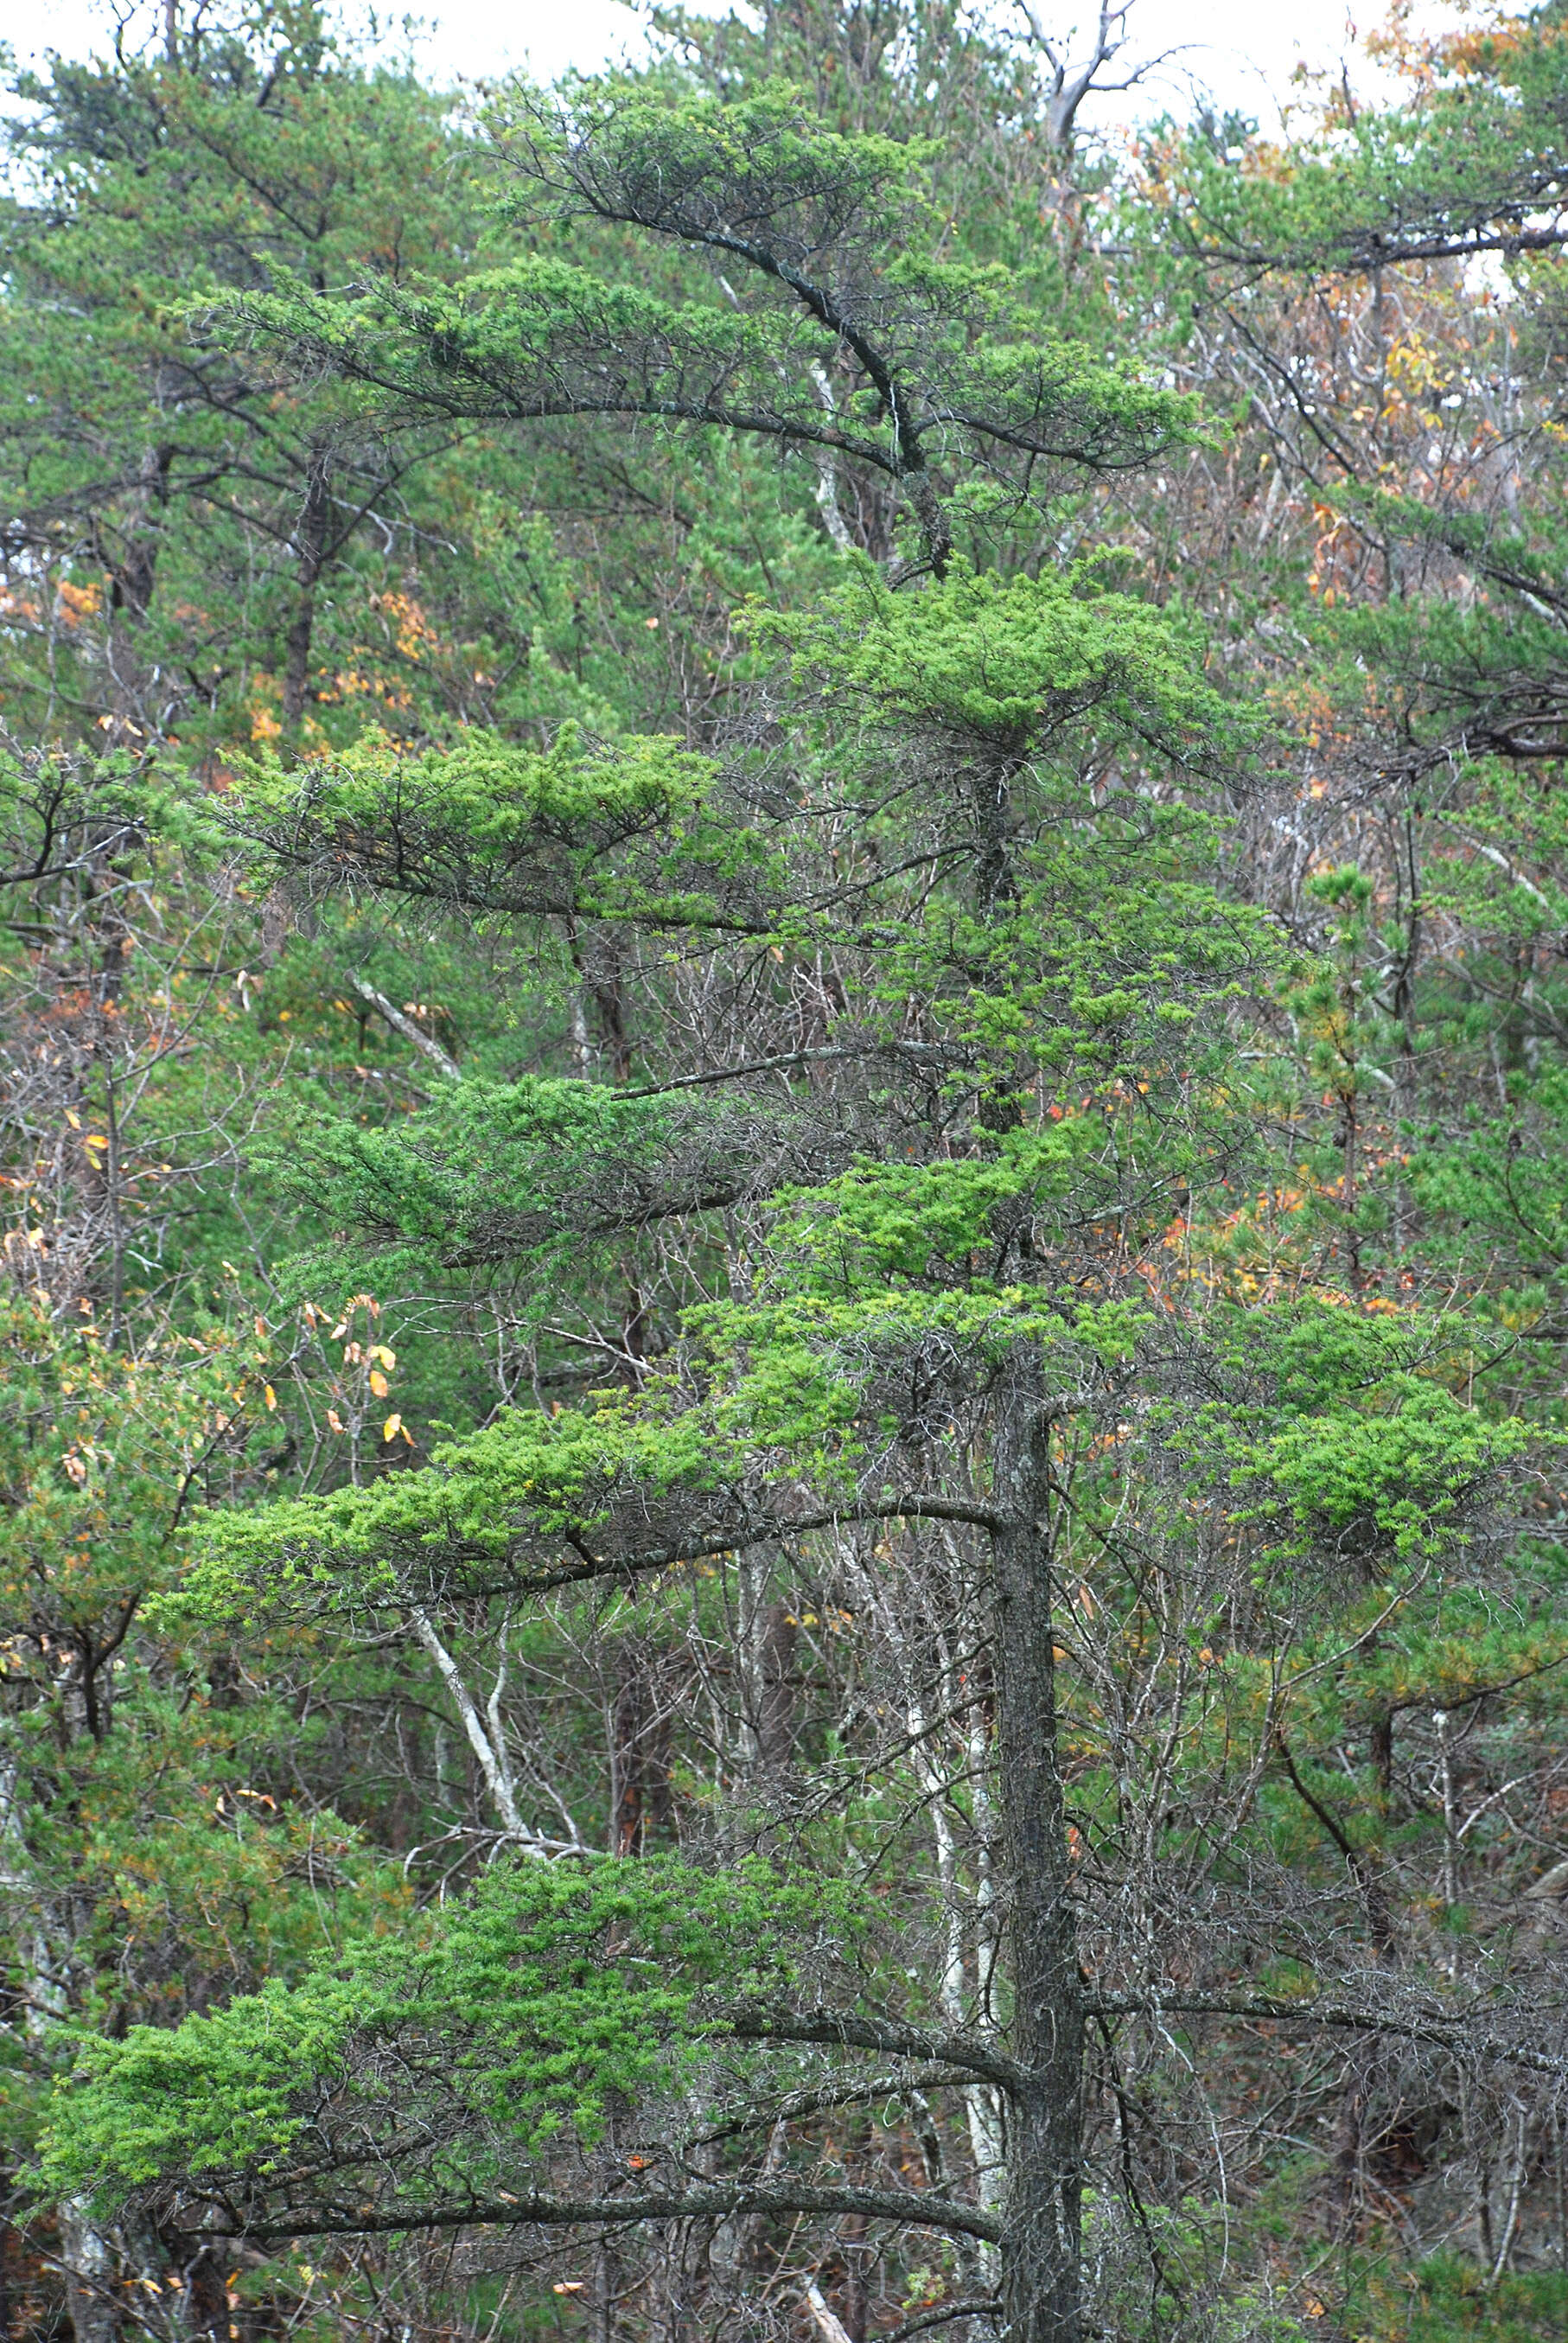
[(783, 1189)]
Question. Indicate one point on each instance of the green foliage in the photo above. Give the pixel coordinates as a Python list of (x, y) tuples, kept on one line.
[(189, 1877), (820, 219), (581, 830), (763, 164), (1399, 1480), (540, 1173), (220, 578), (1470, 159), (644, 1107), (1018, 666), (1447, 2297), (550, 1996), (525, 1478), (99, 1453), (1357, 1440)]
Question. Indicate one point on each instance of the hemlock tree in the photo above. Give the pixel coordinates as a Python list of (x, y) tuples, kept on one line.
[(928, 1320), (1023, 1314)]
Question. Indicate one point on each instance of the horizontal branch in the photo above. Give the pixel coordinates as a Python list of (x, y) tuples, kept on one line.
[(1442, 2034), (849, 2031), (905, 2205), (728, 1538), (981, 2306), (1364, 254), (790, 1057)]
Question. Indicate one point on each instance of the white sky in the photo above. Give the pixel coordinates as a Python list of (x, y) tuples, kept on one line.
[(1244, 53)]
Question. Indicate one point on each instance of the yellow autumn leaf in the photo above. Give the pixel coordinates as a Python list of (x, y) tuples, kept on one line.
[(392, 1427), (378, 1383), (269, 1395), (334, 1419), (388, 1358)]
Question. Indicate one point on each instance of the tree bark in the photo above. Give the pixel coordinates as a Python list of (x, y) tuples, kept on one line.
[(132, 576), (87, 2259), (1042, 2221), (310, 544), (88, 2262)]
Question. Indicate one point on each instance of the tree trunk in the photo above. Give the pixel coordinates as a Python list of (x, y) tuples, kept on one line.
[(310, 544), (640, 1753), (88, 2260), (1042, 2233), (132, 574)]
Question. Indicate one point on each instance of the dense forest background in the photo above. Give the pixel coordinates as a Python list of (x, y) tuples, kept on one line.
[(784, 1192)]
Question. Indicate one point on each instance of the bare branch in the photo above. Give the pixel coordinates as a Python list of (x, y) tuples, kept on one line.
[(910, 2207), (1463, 2040), (425, 1043)]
